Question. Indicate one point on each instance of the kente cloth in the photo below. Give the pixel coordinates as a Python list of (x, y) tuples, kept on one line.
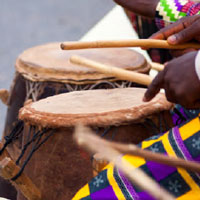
[(169, 11), (181, 141)]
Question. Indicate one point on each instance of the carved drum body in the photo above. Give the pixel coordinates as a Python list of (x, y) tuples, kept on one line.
[(58, 167), (45, 70)]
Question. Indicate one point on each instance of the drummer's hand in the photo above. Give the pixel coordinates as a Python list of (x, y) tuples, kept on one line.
[(142, 7), (184, 30), (180, 81)]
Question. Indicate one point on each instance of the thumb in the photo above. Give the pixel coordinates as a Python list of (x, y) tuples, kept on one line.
[(185, 35)]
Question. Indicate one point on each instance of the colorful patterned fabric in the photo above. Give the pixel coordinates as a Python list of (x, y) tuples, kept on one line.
[(181, 115), (169, 11), (181, 141)]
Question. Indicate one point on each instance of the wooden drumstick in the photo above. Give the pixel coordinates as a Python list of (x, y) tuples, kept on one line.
[(8, 169), (157, 66), (157, 157), (132, 149), (92, 143), (145, 43), (121, 74)]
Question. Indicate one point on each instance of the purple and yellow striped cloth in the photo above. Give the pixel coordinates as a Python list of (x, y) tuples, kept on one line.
[(182, 141)]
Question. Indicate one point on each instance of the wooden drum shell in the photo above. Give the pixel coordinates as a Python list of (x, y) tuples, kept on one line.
[(59, 168), (45, 70), (35, 81)]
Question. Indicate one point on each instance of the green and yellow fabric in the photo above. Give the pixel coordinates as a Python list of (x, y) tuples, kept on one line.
[(169, 11)]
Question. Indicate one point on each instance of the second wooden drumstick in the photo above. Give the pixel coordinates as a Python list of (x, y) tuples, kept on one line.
[(146, 43), (122, 74), (132, 149), (157, 66)]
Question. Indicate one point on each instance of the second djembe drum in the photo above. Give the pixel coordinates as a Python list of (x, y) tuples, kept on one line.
[(45, 70), (58, 167)]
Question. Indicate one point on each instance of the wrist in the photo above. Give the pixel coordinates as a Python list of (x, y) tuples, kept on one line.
[(197, 64), (146, 8)]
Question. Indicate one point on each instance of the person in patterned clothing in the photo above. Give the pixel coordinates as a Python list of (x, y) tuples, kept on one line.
[(147, 17), (181, 81)]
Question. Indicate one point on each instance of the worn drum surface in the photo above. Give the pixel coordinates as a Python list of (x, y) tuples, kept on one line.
[(59, 168), (45, 70)]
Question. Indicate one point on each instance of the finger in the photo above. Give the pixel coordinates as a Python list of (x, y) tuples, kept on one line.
[(166, 63), (172, 29), (154, 87), (186, 34)]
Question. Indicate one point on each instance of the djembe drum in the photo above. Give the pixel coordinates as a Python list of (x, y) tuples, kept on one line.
[(45, 70), (58, 168)]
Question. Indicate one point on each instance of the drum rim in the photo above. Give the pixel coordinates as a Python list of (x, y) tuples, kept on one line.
[(103, 119), (28, 71)]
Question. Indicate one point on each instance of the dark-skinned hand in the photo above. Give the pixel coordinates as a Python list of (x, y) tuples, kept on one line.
[(180, 82), (141, 7), (184, 30)]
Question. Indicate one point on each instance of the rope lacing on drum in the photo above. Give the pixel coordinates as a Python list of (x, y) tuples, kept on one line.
[(17, 130), (37, 142), (34, 90)]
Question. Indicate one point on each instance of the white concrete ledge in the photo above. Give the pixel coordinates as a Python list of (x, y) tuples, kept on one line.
[(114, 26)]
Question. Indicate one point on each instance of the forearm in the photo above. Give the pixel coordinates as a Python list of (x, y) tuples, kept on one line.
[(169, 11), (141, 7)]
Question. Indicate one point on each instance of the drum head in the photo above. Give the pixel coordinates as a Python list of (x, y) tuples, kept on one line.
[(94, 107), (50, 63)]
